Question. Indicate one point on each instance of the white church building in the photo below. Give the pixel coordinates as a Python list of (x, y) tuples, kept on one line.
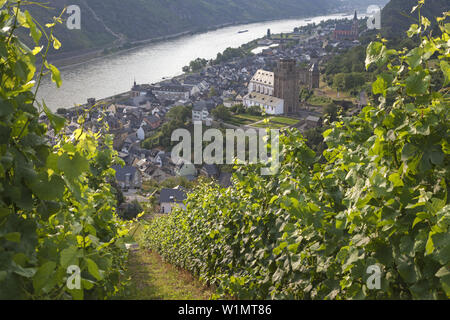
[(270, 104), (261, 93)]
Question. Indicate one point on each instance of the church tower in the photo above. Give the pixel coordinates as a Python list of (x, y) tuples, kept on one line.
[(355, 27), (314, 76), (286, 84)]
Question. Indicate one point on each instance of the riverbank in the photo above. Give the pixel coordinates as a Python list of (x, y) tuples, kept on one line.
[(77, 59), (108, 75)]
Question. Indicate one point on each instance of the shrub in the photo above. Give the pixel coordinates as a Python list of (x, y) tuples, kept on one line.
[(131, 210)]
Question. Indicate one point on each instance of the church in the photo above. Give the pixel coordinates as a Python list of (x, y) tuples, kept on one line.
[(345, 31), (278, 92)]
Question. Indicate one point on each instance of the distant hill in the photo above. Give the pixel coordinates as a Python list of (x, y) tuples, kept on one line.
[(106, 22), (363, 3), (396, 16)]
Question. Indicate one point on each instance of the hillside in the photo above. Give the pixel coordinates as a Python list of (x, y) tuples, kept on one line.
[(367, 218), (396, 15), (103, 22)]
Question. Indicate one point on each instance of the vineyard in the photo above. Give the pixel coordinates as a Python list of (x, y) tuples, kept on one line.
[(57, 208), (378, 196)]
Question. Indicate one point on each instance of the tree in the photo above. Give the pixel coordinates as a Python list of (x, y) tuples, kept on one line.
[(130, 211), (339, 81), (254, 110), (349, 81), (229, 54), (314, 139), (221, 112), (197, 64), (238, 108), (305, 94), (331, 110), (180, 113), (212, 92)]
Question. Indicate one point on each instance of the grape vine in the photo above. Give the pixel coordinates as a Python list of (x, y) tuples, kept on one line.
[(313, 230), (57, 208)]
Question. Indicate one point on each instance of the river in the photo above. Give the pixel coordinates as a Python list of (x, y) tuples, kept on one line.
[(114, 74)]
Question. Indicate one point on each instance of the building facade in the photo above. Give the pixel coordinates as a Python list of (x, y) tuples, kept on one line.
[(271, 105), (201, 111), (128, 177), (171, 92), (170, 198), (278, 92), (262, 82)]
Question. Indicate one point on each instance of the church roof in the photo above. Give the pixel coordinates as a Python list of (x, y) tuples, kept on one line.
[(264, 99), (343, 27), (264, 77)]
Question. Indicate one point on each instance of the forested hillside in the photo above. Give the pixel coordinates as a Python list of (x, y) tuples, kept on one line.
[(397, 17), (103, 22)]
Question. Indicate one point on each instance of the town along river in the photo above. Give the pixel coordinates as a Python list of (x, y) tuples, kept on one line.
[(110, 75)]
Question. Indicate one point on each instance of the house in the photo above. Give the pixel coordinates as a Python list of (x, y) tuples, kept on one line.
[(128, 177), (140, 134), (201, 111), (170, 198), (161, 159), (158, 174), (231, 103), (131, 139), (171, 92), (141, 164), (193, 83), (313, 121), (152, 122)]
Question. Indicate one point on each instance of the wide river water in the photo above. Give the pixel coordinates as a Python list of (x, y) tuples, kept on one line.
[(114, 74)]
